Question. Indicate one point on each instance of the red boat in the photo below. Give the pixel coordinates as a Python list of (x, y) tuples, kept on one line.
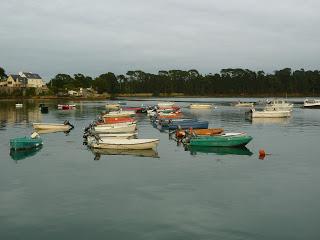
[(111, 120), (66, 106)]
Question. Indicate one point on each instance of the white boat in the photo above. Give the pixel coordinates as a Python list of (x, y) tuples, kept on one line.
[(311, 103), (113, 106), (165, 104), (116, 129), (53, 126), (200, 106), (244, 104), (66, 106), (279, 104), (128, 144), (19, 105), (268, 113), (117, 135), (120, 114), (121, 124)]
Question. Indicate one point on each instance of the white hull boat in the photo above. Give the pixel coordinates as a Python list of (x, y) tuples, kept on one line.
[(135, 144), (279, 105), (120, 114), (244, 104), (111, 106), (165, 104), (268, 114), (52, 126), (19, 105), (311, 103), (101, 138), (200, 106), (116, 129)]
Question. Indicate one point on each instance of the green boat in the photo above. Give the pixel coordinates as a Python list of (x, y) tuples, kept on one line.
[(220, 150), (21, 143), (26, 153), (223, 140)]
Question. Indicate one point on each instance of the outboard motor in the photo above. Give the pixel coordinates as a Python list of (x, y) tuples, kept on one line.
[(66, 122)]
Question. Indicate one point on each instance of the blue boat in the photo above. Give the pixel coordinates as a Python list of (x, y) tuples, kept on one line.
[(196, 124)]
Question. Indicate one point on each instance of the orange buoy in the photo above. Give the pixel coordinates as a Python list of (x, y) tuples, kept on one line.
[(262, 154)]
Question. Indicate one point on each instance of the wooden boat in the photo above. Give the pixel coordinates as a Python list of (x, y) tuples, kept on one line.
[(188, 124), (120, 114), (112, 106), (181, 133), (128, 144), (22, 143), (115, 129), (268, 114), (278, 105), (220, 150), (222, 140), (200, 106), (53, 126), (244, 104), (133, 152), (19, 105), (66, 106), (109, 120), (311, 103)]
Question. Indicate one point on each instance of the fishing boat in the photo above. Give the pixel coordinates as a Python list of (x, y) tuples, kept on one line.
[(244, 104), (19, 105), (311, 103), (112, 106), (278, 105), (118, 120), (133, 152), (223, 140), (128, 144), (268, 114), (120, 113), (115, 129), (22, 143), (188, 124), (66, 126), (220, 150), (200, 106), (66, 106)]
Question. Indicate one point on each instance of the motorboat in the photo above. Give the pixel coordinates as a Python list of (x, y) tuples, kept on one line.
[(311, 103), (279, 105), (23, 143), (115, 129), (268, 113)]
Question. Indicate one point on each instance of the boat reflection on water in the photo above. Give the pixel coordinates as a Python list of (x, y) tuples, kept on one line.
[(139, 153), (46, 131), (194, 150), (269, 120), (22, 154)]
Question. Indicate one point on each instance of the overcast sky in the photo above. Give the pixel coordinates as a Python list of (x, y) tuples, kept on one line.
[(97, 36)]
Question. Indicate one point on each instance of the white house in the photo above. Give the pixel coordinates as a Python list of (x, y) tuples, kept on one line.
[(34, 79)]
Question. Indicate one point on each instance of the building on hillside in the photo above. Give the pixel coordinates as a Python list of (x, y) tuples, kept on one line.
[(74, 93), (14, 80), (34, 79)]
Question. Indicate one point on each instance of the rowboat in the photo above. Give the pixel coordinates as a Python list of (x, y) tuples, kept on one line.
[(128, 144), (278, 105), (188, 124), (66, 106), (223, 140), (115, 129), (200, 106), (119, 114), (268, 114), (26, 142), (311, 103), (66, 126), (101, 138), (134, 152), (181, 133), (112, 106), (220, 150), (118, 120), (165, 104), (244, 104)]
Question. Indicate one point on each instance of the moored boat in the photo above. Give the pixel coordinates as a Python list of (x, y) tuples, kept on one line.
[(112, 106), (311, 103), (244, 104), (128, 144), (200, 106), (115, 129), (19, 105), (66, 106), (268, 114), (109, 120), (165, 104), (278, 105), (66, 126), (120, 113), (23, 143), (189, 124), (134, 152)]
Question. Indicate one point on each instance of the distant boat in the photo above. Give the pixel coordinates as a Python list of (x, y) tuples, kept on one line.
[(311, 103), (200, 106), (53, 126), (244, 104), (268, 114), (66, 106), (137, 144), (165, 104), (23, 143), (112, 106), (223, 140), (19, 105), (279, 105)]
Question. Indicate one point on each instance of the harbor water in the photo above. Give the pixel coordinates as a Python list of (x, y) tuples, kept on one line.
[(66, 191)]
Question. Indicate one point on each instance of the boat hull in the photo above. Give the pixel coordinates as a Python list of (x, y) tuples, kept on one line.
[(127, 144), (221, 141), (201, 106), (45, 126), (24, 143), (123, 129), (186, 125)]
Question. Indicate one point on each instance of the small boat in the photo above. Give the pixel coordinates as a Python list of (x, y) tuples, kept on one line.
[(134, 152), (115, 129), (23, 143), (169, 115), (220, 150), (223, 140), (19, 105), (188, 124), (311, 103), (117, 135), (268, 114), (113, 106), (181, 133), (44, 109), (128, 144), (101, 138), (165, 104), (120, 113), (109, 120), (66, 126), (135, 109), (200, 106), (66, 106), (121, 124), (278, 105), (244, 104)]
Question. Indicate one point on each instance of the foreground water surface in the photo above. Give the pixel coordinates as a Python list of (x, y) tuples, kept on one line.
[(65, 191)]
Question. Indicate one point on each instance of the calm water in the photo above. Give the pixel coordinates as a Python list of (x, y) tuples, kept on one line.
[(61, 192)]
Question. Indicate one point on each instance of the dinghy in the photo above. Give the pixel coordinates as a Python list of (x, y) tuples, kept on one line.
[(23, 143), (268, 114), (200, 106), (66, 126), (120, 114), (115, 129), (128, 144)]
